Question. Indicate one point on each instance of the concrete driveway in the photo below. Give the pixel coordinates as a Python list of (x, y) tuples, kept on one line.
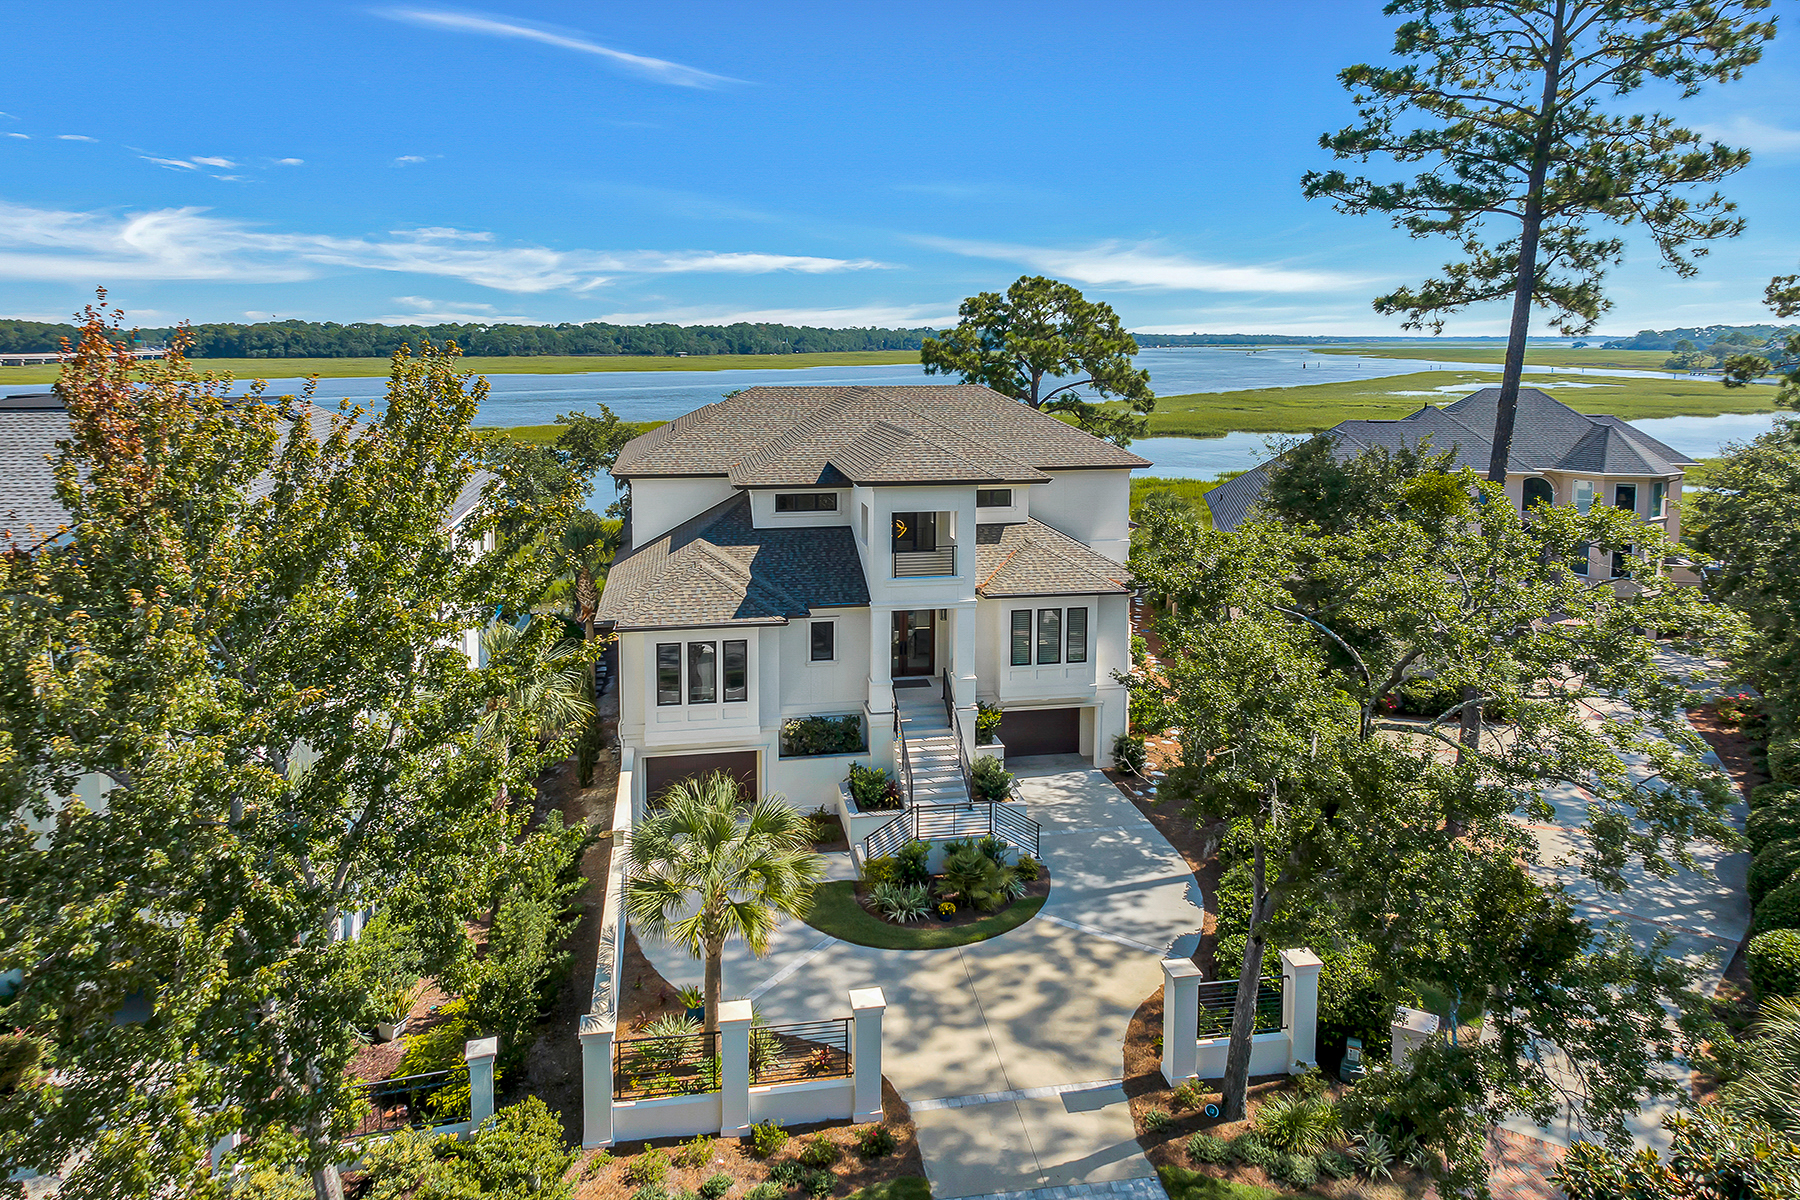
[(1010, 1050)]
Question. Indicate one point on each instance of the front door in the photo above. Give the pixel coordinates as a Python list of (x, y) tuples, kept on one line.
[(915, 642)]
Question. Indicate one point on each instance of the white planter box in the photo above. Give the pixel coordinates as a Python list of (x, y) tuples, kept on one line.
[(994, 749), (385, 1032)]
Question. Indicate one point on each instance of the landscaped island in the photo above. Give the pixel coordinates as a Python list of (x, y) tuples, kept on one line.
[(899, 905)]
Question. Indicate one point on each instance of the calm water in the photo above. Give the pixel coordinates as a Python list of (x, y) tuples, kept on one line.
[(663, 395)]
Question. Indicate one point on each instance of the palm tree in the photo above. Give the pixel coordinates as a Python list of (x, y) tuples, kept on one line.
[(1769, 1088), (548, 695), (589, 543), (708, 866)]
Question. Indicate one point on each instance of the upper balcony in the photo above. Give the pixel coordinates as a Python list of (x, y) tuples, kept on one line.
[(922, 545)]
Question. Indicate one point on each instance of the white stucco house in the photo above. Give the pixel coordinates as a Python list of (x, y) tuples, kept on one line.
[(1559, 456), (836, 551)]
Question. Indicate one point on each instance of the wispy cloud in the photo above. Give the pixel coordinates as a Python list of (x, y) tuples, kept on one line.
[(290, 162), (436, 312), (657, 70), (410, 160), (173, 164), (886, 316), (187, 243), (224, 164), (1759, 136), (1145, 266), (26, 136), (75, 137)]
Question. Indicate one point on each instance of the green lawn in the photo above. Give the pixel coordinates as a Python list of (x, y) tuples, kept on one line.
[(1183, 1184), (543, 435), (1320, 406), (836, 912), (545, 364), (1535, 356), (907, 1187)]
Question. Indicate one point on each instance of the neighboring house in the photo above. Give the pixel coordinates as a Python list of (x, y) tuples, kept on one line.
[(829, 551), (1559, 456)]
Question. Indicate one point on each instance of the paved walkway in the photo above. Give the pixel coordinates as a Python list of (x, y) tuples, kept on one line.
[(1010, 1050)]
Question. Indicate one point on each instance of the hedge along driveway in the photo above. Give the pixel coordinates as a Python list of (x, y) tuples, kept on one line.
[(1030, 1023)]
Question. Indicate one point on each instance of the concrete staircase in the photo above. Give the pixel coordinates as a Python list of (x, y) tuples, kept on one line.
[(931, 745)]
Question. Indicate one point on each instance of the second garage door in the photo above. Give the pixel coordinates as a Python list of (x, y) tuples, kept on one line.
[(668, 769), (1041, 731)]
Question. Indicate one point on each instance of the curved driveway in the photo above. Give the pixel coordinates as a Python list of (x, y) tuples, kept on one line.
[(1009, 1050)]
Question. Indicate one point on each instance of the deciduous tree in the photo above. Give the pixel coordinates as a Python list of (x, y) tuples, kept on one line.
[(1041, 331), (1516, 109)]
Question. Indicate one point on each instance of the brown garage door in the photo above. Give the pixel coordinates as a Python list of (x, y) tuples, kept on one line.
[(1041, 731), (668, 769)]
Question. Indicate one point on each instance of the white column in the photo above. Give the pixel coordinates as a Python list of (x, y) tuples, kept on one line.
[(1181, 1020), (881, 661), (868, 1005), (1300, 1006), (596, 1082), (734, 1068), (479, 1054)]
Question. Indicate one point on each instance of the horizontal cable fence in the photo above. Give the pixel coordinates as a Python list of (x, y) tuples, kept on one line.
[(800, 1050), (413, 1102), (1219, 998), (669, 1064)]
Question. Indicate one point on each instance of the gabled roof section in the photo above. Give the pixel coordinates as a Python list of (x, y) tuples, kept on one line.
[(1031, 559), (821, 436), (718, 569)]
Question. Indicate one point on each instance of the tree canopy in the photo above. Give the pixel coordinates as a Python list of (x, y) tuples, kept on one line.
[(1515, 110), (1039, 333)]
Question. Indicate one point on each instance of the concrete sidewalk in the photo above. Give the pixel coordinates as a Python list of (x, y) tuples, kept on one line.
[(1010, 1050)]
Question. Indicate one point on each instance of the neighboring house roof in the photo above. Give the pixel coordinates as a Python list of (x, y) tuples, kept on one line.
[(30, 427), (1548, 435), (717, 568), (836, 436), (1032, 559)]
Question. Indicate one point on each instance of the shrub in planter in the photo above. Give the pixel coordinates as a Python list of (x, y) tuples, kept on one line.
[(872, 789), (946, 910), (1130, 754), (804, 736), (1773, 960), (990, 779), (1771, 868), (1777, 821), (1784, 758), (987, 722), (1780, 909), (825, 827), (910, 864)]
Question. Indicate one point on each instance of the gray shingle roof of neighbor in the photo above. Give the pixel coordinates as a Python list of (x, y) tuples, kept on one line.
[(1031, 559), (30, 427), (826, 436), (1548, 435), (718, 569)]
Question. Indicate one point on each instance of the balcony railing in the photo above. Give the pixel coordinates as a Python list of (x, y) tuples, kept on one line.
[(914, 564)]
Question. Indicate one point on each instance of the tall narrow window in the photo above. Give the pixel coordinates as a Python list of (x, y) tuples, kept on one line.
[(1659, 498), (1584, 495), (1076, 623), (703, 672), (737, 672), (1580, 562), (824, 641), (1625, 496), (1021, 637), (1049, 635), (668, 673)]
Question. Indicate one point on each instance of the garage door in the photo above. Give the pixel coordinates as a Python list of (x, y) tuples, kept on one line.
[(1041, 731), (668, 769)]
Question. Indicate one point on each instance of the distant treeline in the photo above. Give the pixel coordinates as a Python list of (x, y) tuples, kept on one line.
[(1149, 340), (1702, 336), (327, 339)]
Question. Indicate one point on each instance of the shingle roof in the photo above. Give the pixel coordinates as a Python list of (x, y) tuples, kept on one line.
[(1548, 435), (817, 436), (1031, 559), (718, 569), (30, 427)]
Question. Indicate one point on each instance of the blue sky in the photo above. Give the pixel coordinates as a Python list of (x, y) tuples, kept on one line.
[(838, 164)]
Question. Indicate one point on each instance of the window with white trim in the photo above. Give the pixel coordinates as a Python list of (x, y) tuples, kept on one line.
[(705, 664), (993, 497), (824, 641), (1659, 498), (1584, 495), (1049, 636), (793, 502)]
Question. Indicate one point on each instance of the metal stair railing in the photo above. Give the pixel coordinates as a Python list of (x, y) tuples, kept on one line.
[(948, 822), (903, 757), (962, 755)]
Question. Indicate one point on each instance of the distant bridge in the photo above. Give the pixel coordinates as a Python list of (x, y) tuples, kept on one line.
[(56, 356)]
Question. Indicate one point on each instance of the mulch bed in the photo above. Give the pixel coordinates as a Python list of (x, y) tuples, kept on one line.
[(605, 1174), (966, 915)]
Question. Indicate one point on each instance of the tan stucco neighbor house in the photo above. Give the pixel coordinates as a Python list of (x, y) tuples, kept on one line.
[(1559, 456), (835, 551)]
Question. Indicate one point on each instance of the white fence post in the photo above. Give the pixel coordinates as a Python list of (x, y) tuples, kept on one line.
[(596, 1082), (1181, 1020), (867, 1005), (1300, 1006), (479, 1054), (734, 1068)]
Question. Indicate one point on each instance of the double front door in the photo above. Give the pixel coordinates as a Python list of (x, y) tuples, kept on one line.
[(915, 642)]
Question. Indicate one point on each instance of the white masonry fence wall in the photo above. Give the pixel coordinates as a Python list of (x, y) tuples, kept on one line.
[(737, 1105), (1291, 1049)]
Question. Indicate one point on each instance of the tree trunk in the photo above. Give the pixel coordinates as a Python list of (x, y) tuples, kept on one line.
[(715, 970), (1235, 1087), (1506, 411), (328, 1184)]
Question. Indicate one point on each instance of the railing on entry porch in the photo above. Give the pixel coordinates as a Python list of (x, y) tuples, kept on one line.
[(912, 564), (962, 753), (901, 755), (948, 822)]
